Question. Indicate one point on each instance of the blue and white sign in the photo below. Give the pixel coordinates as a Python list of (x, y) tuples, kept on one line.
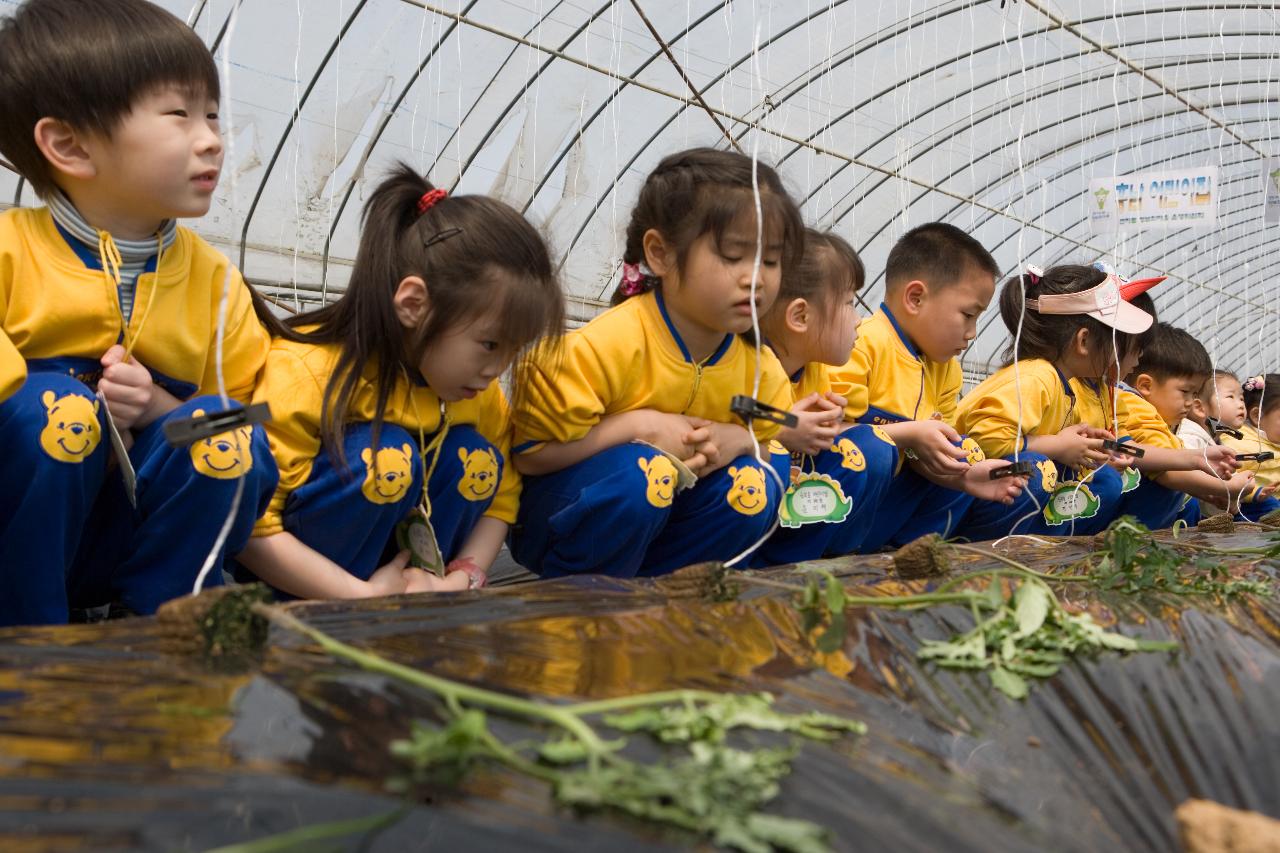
[(1178, 199)]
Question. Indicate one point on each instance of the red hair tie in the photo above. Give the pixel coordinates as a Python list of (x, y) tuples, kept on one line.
[(429, 200)]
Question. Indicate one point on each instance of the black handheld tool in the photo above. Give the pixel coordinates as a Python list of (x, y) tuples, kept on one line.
[(1014, 469), (1123, 447), (187, 431), (1217, 427), (1264, 456), (750, 409)]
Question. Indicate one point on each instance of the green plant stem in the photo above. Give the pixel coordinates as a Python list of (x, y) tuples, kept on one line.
[(1019, 567), (623, 703), (880, 600), (306, 837), (451, 691)]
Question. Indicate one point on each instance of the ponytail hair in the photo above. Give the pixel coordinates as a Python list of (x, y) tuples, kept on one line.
[(477, 255), (1048, 336), (704, 191)]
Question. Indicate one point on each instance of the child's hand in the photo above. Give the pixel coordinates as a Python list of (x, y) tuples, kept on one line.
[(1080, 446), (977, 482), (418, 580), (1240, 485), (819, 424), (724, 443), (389, 579), (126, 386), (1218, 460), (932, 443), (676, 434)]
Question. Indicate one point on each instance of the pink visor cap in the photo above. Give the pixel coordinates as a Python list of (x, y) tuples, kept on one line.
[(1103, 303)]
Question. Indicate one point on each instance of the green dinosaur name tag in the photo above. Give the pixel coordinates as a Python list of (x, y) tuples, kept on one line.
[(814, 499), (1130, 479), (1071, 502), (415, 534)]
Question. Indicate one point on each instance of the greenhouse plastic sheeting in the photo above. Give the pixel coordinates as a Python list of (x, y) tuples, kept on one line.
[(991, 115), (108, 743)]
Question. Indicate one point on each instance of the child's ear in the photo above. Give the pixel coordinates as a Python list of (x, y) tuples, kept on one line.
[(63, 147), (411, 302), (1144, 384), (1080, 342), (797, 316), (660, 257), (914, 294)]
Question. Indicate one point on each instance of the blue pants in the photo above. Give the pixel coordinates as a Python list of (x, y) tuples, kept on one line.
[(55, 437), (617, 513), (140, 558), (349, 513), (914, 507), (1153, 504), (863, 464), (1101, 491), (1254, 510)]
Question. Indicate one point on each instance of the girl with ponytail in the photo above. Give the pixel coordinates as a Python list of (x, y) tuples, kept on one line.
[(388, 423)]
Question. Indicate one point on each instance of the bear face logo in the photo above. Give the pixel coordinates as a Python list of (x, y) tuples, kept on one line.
[(883, 436), (71, 431), (662, 478), (853, 458), (479, 474), (388, 475), (224, 456), (973, 452), (747, 495), (1048, 474)]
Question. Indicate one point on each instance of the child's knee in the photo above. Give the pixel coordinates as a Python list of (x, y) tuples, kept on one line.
[(57, 421), (470, 463), (220, 460)]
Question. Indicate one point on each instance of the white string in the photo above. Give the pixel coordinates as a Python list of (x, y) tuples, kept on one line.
[(216, 551), (755, 316)]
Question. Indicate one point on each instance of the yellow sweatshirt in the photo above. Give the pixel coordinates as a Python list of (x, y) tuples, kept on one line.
[(294, 382), (53, 307), (989, 413), (887, 380), (631, 357)]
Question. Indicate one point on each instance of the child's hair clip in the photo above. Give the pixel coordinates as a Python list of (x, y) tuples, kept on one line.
[(635, 279), (182, 432), (441, 236), (750, 409), (1035, 274), (1254, 383), (430, 199)]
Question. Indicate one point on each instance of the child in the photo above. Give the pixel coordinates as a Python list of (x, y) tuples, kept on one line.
[(1156, 398), (1261, 435), (110, 113), (813, 324), (1066, 323), (644, 389), (903, 375), (1221, 397), (396, 378)]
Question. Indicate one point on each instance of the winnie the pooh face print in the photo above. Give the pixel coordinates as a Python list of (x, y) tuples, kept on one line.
[(479, 473), (71, 431), (1048, 474), (853, 458), (662, 479), (973, 451), (747, 494), (388, 475), (224, 456)]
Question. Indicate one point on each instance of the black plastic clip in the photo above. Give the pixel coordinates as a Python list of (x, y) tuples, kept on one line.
[(1123, 447), (187, 431), (1013, 469), (1217, 427), (1264, 456), (750, 409)]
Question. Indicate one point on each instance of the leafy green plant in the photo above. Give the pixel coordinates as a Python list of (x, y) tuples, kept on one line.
[(1028, 636), (710, 787), (1134, 561)]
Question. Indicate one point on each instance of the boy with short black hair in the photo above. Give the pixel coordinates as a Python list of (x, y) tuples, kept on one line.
[(111, 312), (904, 376), (1156, 397)]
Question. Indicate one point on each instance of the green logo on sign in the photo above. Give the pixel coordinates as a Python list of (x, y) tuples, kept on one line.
[(1101, 195)]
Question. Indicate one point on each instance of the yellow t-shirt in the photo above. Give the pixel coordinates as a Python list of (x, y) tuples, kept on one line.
[(1255, 442), (54, 307), (631, 357), (1138, 420), (989, 414), (812, 378), (293, 383), (887, 380)]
